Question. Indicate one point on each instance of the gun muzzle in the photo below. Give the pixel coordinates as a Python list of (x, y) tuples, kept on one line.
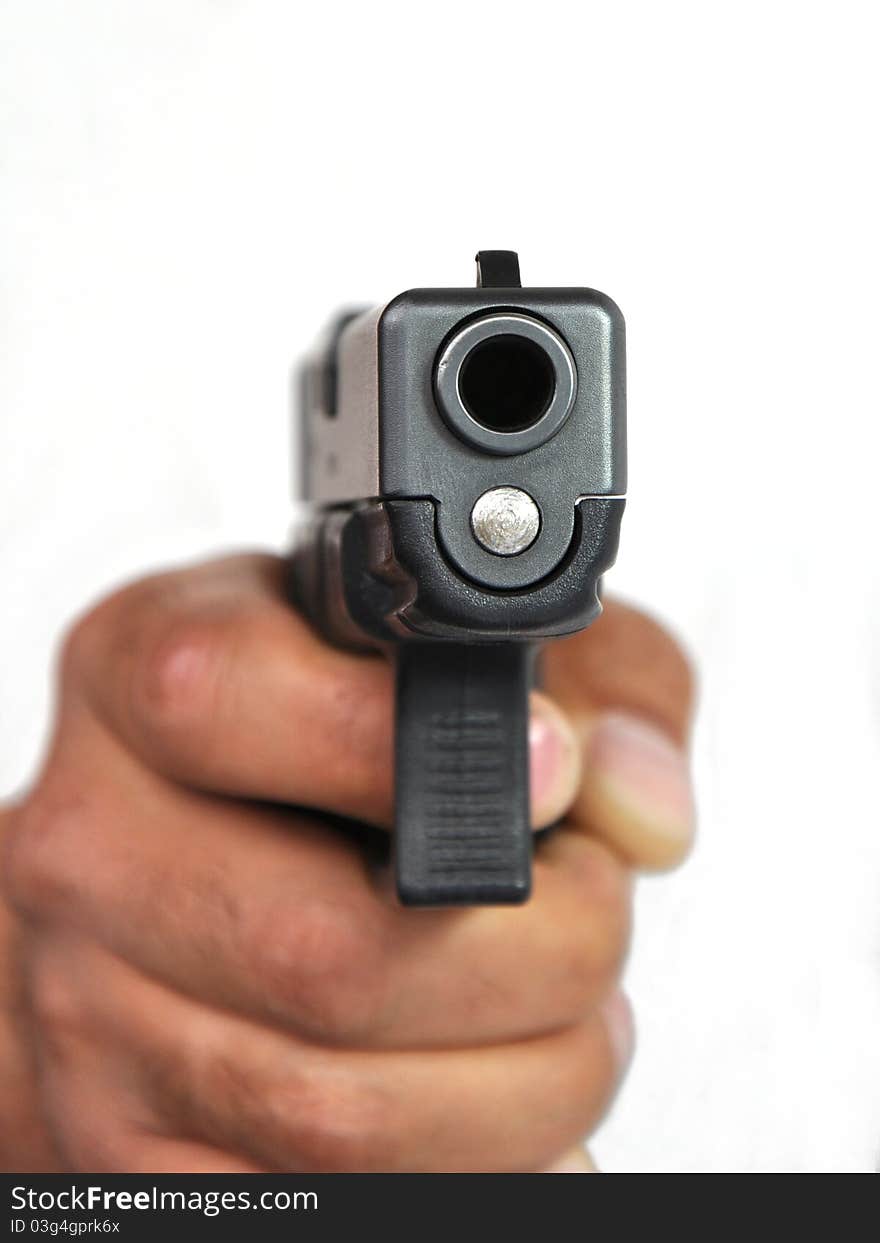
[(505, 383)]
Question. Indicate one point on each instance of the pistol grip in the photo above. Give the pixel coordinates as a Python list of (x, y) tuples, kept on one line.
[(462, 822)]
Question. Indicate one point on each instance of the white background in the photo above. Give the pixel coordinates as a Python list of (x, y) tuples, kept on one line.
[(189, 187)]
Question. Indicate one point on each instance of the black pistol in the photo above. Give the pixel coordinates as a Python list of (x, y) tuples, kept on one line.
[(463, 464)]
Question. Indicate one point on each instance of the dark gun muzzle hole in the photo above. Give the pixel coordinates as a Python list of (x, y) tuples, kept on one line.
[(507, 383)]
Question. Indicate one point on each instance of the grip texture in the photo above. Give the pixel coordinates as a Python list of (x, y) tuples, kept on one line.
[(462, 824)]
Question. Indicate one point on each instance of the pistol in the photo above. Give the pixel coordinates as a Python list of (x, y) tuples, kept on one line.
[(462, 466)]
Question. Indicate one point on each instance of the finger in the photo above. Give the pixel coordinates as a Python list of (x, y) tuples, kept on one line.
[(555, 763), (212, 678), (624, 662), (288, 1105), (278, 917), (501, 1108), (636, 792), (88, 1087), (626, 687)]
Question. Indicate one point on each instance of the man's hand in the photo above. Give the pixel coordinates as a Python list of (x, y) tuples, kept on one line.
[(201, 973)]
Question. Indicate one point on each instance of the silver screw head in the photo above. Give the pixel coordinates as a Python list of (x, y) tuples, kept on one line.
[(505, 521)]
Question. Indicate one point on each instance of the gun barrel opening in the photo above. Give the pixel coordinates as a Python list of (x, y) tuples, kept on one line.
[(507, 383)]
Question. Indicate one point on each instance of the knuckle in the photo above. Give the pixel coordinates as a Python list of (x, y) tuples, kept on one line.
[(340, 1126), (44, 835), (61, 1018), (298, 1111), (163, 644), (175, 670), (322, 964), (95, 637)]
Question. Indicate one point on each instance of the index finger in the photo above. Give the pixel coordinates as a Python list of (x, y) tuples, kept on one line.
[(211, 678)]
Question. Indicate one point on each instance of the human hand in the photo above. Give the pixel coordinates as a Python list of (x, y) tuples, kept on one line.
[(203, 975)]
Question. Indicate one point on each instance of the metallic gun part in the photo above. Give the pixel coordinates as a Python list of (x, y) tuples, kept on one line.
[(506, 521), (463, 461)]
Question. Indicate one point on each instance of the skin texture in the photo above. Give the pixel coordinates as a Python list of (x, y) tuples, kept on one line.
[(199, 973)]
